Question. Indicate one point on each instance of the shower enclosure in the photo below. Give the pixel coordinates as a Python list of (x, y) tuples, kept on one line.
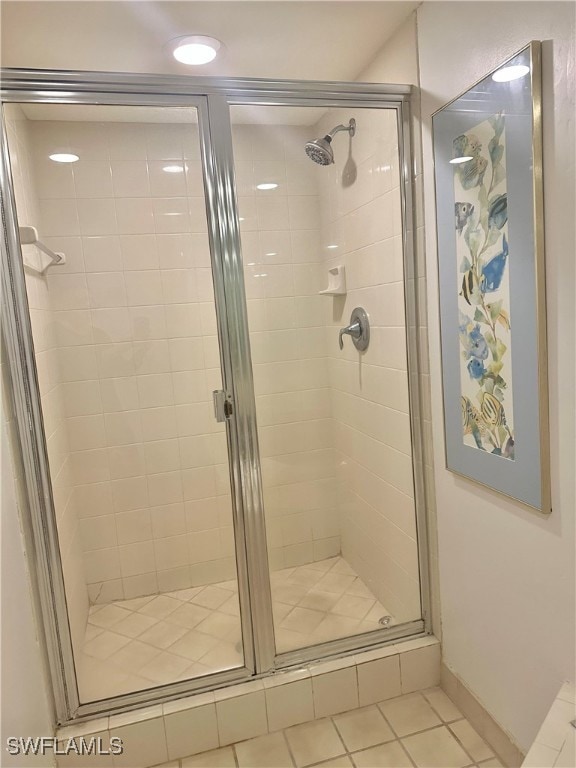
[(217, 387)]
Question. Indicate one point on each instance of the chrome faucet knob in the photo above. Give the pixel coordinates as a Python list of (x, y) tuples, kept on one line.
[(354, 330), (359, 330)]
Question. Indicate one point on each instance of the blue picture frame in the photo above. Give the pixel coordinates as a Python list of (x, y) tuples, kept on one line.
[(489, 217)]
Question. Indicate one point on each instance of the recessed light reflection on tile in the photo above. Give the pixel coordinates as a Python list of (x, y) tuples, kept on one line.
[(267, 186), (64, 157)]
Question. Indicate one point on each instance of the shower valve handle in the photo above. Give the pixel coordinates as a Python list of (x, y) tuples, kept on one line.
[(359, 330), (354, 330)]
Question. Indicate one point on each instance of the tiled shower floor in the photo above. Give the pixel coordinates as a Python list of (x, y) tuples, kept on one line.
[(147, 641)]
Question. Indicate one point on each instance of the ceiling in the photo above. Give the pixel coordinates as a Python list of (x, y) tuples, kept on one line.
[(289, 40), (277, 40)]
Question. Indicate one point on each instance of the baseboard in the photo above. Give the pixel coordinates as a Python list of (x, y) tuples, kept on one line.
[(501, 742)]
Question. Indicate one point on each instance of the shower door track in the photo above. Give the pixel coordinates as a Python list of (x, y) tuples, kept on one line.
[(212, 97)]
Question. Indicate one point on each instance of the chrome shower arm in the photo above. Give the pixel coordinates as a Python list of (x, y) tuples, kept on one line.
[(350, 128)]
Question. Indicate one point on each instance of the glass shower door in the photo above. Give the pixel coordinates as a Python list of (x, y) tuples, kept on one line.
[(185, 541), (127, 354), (321, 233)]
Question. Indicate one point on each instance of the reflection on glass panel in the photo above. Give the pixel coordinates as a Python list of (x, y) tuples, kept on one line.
[(127, 356), (333, 424)]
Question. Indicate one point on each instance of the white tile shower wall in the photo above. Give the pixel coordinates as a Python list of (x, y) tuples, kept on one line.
[(397, 62), (135, 328), (280, 231), (51, 389), (361, 229), (148, 464)]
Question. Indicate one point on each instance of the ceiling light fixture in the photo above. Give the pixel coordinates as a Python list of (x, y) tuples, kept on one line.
[(64, 157), (505, 74), (195, 49), (267, 186)]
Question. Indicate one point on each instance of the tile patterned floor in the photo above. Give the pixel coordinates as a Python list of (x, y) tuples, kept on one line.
[(147, 641), (321, 601), (421, 730)]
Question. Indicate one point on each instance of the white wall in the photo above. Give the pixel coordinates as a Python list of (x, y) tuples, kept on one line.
[(507, 573)]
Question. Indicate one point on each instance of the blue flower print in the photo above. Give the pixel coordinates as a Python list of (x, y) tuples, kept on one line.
[(477, 346), (473, 341), (476, 368)]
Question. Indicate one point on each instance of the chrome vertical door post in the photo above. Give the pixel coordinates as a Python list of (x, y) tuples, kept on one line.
[(229, 276), (414, 321), (218, 214)]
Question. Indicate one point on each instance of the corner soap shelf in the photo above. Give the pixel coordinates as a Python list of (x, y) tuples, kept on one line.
[(29, 236), (336, 282)]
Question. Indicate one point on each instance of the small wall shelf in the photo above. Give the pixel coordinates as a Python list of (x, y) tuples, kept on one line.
[(29, 236), (336, 282)]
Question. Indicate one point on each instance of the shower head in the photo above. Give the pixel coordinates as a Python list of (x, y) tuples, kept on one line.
[(320, 150)]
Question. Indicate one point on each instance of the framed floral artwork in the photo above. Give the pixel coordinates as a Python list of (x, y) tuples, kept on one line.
[(489, 211)]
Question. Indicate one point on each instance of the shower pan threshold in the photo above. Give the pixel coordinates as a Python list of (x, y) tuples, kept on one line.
[(189, 725), (136, 644)]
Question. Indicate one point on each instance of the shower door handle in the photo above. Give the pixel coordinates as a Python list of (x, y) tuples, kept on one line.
[(222, 405)]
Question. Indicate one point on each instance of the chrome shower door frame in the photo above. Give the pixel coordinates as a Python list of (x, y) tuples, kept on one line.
[(398, 98), (20, 344), (212, 98)]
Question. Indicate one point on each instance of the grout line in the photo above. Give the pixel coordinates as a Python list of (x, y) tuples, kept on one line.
[(380, 744), (386, 720), (288, 747), (436, 712), (335, 724), (454, 736), (424, 730), (331, 718), (409, 756)]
